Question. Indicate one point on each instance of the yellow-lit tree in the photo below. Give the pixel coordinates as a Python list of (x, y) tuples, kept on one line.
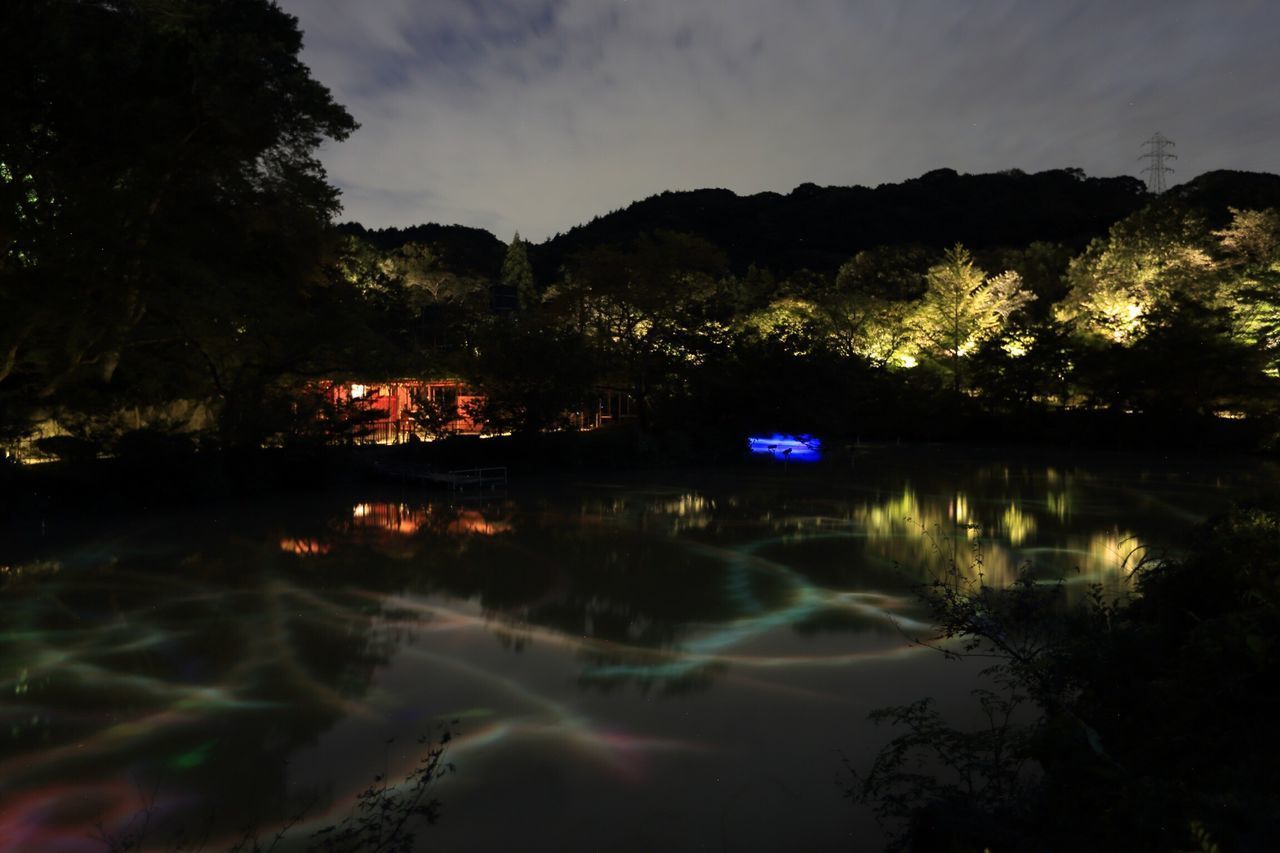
[(794, 322), (1148, 259), (1249, 248), (869, 327), (961, 308)]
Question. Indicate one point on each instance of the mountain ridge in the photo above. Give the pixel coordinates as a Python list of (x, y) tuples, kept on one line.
[(818, 228)]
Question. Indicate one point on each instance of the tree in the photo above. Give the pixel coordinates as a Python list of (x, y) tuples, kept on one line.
[(1249, 248), (171, 210), (650, 311), (1027, 363), (962, 307), (1043, 267), (423, 306), (868, 327), (888, 272), (1149, 258), (436, 414), (517, 273), (795, 324), (531, 378)]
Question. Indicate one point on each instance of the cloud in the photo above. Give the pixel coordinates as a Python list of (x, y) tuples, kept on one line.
[(537, 116)]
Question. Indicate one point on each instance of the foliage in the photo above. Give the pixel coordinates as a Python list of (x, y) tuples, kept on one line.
[(649, 310), (1028, 363), (69, 448), (1249, 247), (1146, 260), (963, 307), (171, 212), (385, 812), (869, 327), (166, 246), (798, 325), (1126, 747), (531, 379), (887, 272), (517, 273), (1163, 317), (1043, 269), (934, 774), (434, 414)]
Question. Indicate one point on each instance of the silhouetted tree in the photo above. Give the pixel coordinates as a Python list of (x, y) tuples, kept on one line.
[(170, 205), (648, 309), (517, 274), (532, 378)]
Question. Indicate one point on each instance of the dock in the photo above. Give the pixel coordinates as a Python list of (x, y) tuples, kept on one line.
[(461, 480)]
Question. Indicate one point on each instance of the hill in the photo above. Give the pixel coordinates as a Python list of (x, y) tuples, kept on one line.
[(473, 252), (1213, 192), (819, 228)]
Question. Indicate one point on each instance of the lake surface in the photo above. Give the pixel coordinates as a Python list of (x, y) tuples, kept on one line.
[(634, 662)]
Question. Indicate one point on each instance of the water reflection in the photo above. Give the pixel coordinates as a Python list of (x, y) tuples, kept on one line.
[(209, 653), (130, 669)]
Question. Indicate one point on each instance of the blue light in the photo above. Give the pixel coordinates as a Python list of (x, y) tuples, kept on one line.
[(789, 448)]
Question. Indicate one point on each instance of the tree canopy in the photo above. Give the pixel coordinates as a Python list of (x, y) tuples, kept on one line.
[(962, 307), (170, 214)]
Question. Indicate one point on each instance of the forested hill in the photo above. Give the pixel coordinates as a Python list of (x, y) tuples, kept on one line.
[(461, 249), (819, 228), (1214, 192)]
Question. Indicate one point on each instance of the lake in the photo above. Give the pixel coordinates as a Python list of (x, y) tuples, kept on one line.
[(658, 660)]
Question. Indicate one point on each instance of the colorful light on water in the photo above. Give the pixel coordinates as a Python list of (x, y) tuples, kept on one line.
[(788, 448), (116, 663)]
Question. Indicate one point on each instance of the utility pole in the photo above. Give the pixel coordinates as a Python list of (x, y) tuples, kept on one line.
[(1157, 152)]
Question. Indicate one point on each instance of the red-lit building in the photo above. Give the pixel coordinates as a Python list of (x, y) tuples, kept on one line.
[(389, 407)]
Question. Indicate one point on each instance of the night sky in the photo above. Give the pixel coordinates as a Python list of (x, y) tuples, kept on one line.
[(537, 116)]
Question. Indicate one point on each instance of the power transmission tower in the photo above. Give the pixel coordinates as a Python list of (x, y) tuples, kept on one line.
[(1157, 152)]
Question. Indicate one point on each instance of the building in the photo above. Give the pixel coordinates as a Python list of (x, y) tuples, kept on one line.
[(394, 411)]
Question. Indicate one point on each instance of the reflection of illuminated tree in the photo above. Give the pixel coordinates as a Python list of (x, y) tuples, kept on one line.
[(994, 536)]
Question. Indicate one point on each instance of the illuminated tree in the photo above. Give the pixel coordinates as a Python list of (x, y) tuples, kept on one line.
[(961, 308), (1182, 319), (1250, 250), (1148, 258), (1028, 363), (796, 324), (861, 316), (869, 327), (1252, 239), (1043, 267)]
